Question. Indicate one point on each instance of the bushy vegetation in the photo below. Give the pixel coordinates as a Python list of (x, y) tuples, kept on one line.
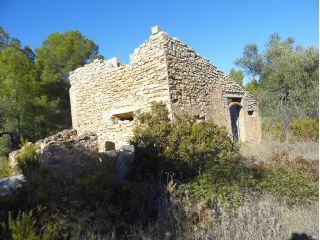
[(304, 129), (23, 227), (27, 159), (293, 180), (34, 99), (203, 158), (272, 132), (5, 170), (299, 130), (199, 155), (285, 79), (186, 174), (183, 147), (85, 202)]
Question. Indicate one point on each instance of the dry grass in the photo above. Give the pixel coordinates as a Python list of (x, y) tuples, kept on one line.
[(263, 151), (266, 219), (180, 216), (256, 219)]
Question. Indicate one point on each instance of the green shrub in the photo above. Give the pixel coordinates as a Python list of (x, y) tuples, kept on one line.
[(5, 145), (97, 186), (273, 132), (26, 226), (200, 155), (183, 147), (226, 183), (194, 147), (294, 181), (304, 129), (22, 228), (206, 161), (5, 170), (150, 140), (290, 185), (27, 159)]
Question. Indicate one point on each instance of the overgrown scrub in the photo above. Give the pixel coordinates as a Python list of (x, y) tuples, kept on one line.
[(199, 155), (5, 170), (22, 227), (88, 202), (272, 132), (294, 181), (299, 129), (258, 217), (290, 169), (305, 129), (188, 181), (206, 162), (27, 159), (183, 147)]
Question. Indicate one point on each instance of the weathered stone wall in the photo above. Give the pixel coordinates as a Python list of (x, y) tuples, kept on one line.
[(64, 149), (190, 78), (200, 89), (253, 127), (218, 111), (99, 92), (161, 69), (67, 154)]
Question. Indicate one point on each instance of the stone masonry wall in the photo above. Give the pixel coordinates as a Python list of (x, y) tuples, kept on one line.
[(99, 91), (200, 89), (63, 151), (190, 78), (161, 69)]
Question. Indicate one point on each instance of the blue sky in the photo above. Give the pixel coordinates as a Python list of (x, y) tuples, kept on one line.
[(218, 30)]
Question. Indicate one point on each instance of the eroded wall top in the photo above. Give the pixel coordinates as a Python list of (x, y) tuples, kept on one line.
[(99, 89)]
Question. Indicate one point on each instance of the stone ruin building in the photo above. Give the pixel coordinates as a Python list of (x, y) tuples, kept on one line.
[(107, 95)]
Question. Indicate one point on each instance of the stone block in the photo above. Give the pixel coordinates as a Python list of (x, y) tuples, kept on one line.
[(155, 29)]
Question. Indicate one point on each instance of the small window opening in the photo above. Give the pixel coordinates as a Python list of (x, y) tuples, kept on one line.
[(250, 112), (109, 146), (124, 116)]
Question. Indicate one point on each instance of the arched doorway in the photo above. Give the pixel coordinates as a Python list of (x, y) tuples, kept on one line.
[(237, 121)]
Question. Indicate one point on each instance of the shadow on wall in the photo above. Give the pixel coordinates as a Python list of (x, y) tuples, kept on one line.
[(59, 168), (67, 157)]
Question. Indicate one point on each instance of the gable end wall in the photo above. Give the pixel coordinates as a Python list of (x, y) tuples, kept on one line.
[(199, 89)]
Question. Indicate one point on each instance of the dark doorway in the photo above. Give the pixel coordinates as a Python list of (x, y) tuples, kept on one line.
[(234, 115)]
